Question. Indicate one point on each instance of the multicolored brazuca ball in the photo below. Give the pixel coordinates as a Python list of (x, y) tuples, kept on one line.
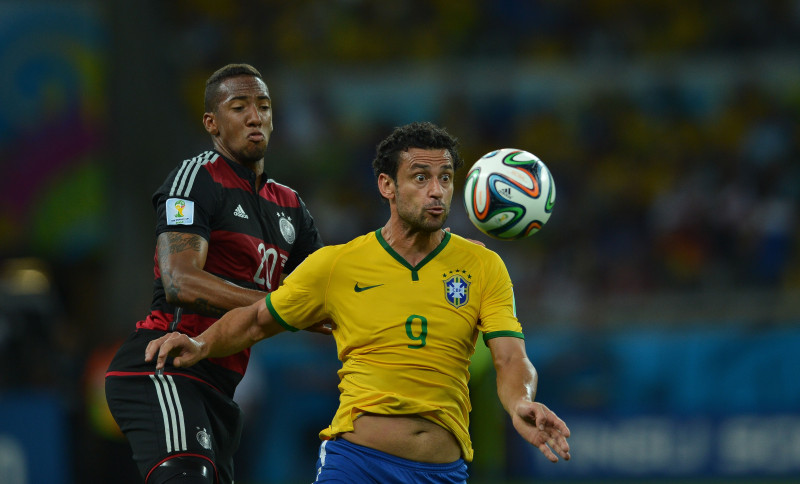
[(509, 194)]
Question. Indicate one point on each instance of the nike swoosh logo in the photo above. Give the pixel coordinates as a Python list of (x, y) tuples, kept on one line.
[(358, 288)]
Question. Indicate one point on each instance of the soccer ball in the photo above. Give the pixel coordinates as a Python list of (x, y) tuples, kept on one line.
[(509, 194)]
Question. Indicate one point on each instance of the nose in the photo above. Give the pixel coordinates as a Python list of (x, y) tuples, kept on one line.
[(253, 117), (436, 188)]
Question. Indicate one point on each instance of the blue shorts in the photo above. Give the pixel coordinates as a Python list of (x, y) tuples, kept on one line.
[(344, 462)]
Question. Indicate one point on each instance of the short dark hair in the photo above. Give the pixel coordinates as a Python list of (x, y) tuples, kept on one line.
[(211, 99), (423, 135)]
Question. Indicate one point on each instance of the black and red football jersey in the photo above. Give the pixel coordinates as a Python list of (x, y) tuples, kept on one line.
[(254, 234)]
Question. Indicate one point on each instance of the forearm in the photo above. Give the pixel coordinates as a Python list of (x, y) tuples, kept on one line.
[(516, 380), (181, 261), (238, 329), (206, 293)]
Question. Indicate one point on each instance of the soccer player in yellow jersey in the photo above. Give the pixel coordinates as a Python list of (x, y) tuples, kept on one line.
[(408, 303)]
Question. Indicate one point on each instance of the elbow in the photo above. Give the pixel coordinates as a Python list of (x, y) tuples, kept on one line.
[(172, 289), (519, 366), (172, 297), (258, 317), (262, 323)]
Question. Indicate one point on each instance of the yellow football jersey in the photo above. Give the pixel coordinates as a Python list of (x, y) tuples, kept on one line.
[(404, 334)]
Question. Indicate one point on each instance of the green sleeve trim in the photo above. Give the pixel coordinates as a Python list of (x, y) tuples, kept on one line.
[(498, 334), (277, 317)]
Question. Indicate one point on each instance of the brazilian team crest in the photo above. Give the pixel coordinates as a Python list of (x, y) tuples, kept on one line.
[(456, 289)]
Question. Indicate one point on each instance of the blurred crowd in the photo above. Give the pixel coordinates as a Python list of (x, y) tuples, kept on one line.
[(368, 31), (671, 129), (674, 146)]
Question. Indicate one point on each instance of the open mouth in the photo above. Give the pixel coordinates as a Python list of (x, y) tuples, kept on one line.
[(435, 210)]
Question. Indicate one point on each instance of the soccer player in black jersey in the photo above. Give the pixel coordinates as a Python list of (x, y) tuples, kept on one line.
[(226, 233)]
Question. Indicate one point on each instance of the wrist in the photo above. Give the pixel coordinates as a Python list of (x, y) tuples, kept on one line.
[(202, 347)]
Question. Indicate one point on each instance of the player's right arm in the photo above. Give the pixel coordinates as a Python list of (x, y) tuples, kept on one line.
[(238, 329), (182, 241), (181, 258)]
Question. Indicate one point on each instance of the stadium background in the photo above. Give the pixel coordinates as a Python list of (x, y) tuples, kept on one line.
[(661, 302)]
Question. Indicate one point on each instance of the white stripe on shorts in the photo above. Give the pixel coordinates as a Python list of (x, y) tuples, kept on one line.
[(322, 454), (171, 412)]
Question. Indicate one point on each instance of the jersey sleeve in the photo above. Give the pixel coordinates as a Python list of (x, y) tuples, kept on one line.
[(498, 312), (301, 300), (308, 239), (186, 201)]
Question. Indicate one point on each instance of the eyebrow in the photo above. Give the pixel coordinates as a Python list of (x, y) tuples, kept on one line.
[(244, 98), (424, 166)]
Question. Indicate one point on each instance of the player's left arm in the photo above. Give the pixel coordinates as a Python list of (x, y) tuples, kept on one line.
[(516, 386), (238, 329)]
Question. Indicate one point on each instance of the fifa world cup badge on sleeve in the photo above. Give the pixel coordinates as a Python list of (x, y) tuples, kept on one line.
[(180, 211)]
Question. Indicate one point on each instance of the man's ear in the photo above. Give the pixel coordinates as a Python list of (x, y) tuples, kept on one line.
[(210, 123), (386, 186)]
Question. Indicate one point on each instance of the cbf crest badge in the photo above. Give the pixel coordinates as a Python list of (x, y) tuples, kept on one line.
[(456, 288)]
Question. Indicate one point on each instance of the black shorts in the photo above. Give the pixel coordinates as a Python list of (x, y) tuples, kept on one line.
[(166, 416)]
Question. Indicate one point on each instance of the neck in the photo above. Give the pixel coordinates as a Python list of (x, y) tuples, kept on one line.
[(256, 166), (412, 245)]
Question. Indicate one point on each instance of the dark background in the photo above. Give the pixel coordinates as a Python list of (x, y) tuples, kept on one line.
[(661, 301)]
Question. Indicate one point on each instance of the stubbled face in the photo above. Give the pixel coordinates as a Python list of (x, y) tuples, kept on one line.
[(424, 188), (242, 123)]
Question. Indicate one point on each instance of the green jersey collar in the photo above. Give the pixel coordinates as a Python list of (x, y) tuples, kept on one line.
[(414, 269)]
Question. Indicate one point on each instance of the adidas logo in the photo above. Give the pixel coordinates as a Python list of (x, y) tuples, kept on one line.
[(239, 212)]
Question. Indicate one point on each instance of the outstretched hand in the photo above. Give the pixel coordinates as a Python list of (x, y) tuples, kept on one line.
[(185, 350), (541, 427)]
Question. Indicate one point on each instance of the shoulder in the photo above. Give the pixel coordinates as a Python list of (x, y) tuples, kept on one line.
[(276, 186), (334, 255), (468, 251), (282, 194), (322, 262), (185, 175), (207, 160), (464, 245), (190, 179), (355, 245)]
